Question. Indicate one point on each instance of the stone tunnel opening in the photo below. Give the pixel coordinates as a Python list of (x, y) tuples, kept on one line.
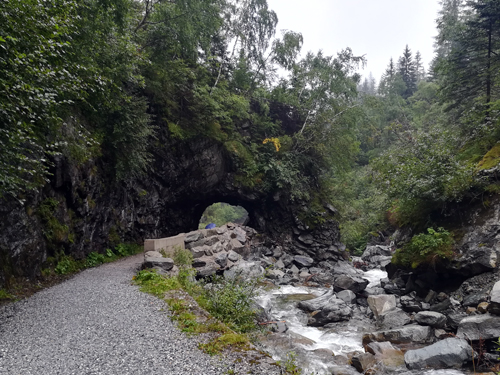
[(220, 213)]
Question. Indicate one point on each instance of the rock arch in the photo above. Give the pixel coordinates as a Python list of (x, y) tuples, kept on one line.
[(184, 179)]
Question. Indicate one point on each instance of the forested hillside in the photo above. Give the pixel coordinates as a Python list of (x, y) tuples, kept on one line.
[(108, 81)]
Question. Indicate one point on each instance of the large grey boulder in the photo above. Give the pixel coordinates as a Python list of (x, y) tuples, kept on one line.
[(477, 327), (318, 302), (233, 256), (193, 236), (376, 250), (198, 251), (381, 304), (237, 246), (430, 318), (494, 306), (363, 362), (404, 335), (347, 296), (221, 259), (386, 353), (393, 319), (335, 310), (164, 263), (239, 234), (353, 283), (245, 270), (448, 353), (303, 261)]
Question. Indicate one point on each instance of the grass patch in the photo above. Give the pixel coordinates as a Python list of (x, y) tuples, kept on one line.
[(235, 340), (491, 159), (4, 295), (228, 303)]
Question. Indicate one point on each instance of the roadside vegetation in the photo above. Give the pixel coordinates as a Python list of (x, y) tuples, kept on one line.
[(228, 301)]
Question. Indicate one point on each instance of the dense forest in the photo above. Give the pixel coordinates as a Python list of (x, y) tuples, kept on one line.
[(101, 79)]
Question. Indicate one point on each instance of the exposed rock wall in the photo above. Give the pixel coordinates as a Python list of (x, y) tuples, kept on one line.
[(81, 210)]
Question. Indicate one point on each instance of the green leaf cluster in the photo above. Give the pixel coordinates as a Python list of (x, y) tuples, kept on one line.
[(426, 249)]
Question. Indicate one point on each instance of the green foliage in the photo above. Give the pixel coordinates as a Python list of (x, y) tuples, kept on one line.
[(94, 259), (361, 205), (54, 231), (37, 80), (491, 159), (230, 300), (221, 213), (425, 167), (426, 249), (290, 364), (217, 345), (153, 283), (5, 295), (183, 258), (67, 265)]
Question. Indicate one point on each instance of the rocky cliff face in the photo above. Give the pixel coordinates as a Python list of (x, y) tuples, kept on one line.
[(81, 210)]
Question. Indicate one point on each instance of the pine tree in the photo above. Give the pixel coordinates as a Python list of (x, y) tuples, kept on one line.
[(419, 67), (406, 67), (472, 68)]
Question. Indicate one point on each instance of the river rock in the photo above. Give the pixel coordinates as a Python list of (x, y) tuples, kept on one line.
[(153, 254), (475, 298), (447, 353), (199, 251), (164, 263), (376, 250), (318, 302), (237, 246), (193, 236), (381, 304), (494, 306), (221, 259), (483, 307), (245, 270), (430, 318), (353, 283), (386, 353), (347, 296), (239, 234), (335, 310), (279, 264), (364, 361), (287, 259), (209, 269), (404, 335), (453, 320), (393, 319), (303, 261), (233, 256), (475, 327), (275, 274)]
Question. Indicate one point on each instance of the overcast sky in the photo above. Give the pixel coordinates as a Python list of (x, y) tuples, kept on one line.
[(378, 29)]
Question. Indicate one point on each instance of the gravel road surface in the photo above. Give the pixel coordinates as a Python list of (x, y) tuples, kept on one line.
[(97, 323)]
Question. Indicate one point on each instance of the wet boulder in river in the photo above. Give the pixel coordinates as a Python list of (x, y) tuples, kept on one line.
[(335, 310), (448, 353), (353, 283)]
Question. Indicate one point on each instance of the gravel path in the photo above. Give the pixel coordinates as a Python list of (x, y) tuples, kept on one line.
[(97, 323)]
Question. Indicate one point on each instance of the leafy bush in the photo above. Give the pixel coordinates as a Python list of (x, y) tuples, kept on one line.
[(230, 300), (67, 265), (94, 259), (424, 166), (424, 249)]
